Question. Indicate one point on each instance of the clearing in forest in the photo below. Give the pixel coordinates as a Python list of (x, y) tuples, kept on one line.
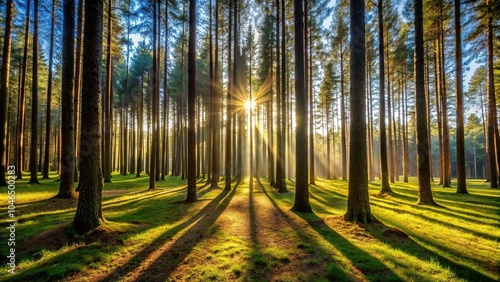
[(253, 236)]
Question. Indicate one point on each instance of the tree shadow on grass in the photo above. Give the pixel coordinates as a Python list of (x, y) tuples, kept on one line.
[(439, 222), (335, 271), (444, 210), (167, 260), (409, 246), (370, 266)]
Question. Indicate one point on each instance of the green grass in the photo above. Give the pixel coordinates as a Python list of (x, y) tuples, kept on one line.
[(458, 241)]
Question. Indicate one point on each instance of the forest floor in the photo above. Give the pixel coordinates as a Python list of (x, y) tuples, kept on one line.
[(243, 235)]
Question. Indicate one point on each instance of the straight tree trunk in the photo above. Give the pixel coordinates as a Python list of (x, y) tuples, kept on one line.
[(301, 203), (34, 103), (461, 176), (229, 110), (108, 118), (4, 91), (444, 110), (49, 95), (165, 102), (283, 99), (424, 183), (385, 186), (342, 116), (191, 189), (154, 113), (78, 68), (89, 211), (21, 119), (66, 187), (140, 126), (217, 105), (358, 203), (491, 113), (280, 148)]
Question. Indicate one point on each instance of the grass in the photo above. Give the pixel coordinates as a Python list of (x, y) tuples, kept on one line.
[(247, 235)]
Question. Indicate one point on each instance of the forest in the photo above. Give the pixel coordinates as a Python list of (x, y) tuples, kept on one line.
[(240, 140)]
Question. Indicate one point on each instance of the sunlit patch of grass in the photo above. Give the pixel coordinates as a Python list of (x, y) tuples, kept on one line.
[(456, 242)]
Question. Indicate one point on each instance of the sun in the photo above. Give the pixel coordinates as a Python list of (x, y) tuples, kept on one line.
[(249, 104)]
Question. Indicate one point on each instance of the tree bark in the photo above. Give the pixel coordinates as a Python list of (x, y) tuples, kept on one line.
[(424, 183), (89, 211), (301, 203), (4, 90), (461, 176), (358, 203), (191, 189), (34, 103), (66, 187), (385, 186), (21, 119)]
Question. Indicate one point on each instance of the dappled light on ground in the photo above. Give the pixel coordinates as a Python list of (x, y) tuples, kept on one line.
[(253, 236)]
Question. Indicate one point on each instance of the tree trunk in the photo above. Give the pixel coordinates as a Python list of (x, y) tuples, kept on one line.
[(108, 118), (49, 96), (4, 91), (216, 142), (280, 103), (385, 186), (89, 211), (229, 110), (358, 204), (21, 119), (154, 113), (491, 113), (301, 203), (78, 67), (343, 126), (66, 187), (34, 103), (140, 126), (191, 189), (461, 176), (424, 183)]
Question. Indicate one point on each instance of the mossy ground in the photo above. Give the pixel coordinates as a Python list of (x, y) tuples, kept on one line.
[(253, 236)]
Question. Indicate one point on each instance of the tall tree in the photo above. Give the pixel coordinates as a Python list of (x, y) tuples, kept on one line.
[(229, 110), (301, 203), (191, 173), (66, 187), (34, 102), (492, 112), (4, 88), (89, 210), (385, 186), (49, 93), (21, 119), (78, 69), (358, 202), (108, 100), (461, 185), (216, 106), (280, 148), (154, 144), (424, 180)]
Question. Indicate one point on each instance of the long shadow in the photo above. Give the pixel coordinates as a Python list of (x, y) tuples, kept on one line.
[(340, 274), (370, 266), (488, 201), (183, 245), (411, 247), (453, 202), (257, 265), (447, 211), (433, 220)]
